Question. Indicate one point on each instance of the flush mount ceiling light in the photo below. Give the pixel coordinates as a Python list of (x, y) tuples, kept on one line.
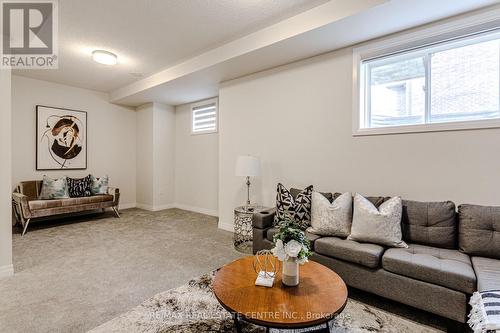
[(104, 57)]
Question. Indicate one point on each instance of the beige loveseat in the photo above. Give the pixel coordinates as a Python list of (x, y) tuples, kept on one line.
[(27, 206)]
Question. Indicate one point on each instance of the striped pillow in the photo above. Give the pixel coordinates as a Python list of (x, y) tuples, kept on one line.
[(485, 313)]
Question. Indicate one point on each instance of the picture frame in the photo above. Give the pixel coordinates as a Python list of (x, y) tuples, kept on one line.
[(61, 138)]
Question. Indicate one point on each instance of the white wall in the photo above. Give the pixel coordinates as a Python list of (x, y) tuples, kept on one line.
[(155, 156), (6, 268), (164, 155), (298, 119), (196, 166), (111, 133), (145, 163)]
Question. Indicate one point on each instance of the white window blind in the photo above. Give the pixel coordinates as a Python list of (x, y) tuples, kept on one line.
[(204, 117)]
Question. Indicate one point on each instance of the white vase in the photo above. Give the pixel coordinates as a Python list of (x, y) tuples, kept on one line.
[(290, 274)]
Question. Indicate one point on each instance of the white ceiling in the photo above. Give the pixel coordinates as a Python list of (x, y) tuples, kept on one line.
[(185, 48), (327, 27), (151, 35)]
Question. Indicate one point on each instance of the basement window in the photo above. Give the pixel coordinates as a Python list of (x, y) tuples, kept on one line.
[(204, 116), (448, 84)]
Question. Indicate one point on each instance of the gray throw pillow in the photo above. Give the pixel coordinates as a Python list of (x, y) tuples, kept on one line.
[(331, 219), (378, 226)]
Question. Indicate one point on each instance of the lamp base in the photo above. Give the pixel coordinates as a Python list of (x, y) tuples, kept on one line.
[(248, 190)]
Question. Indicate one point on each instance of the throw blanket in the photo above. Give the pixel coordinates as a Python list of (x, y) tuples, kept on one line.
[(485, 313)]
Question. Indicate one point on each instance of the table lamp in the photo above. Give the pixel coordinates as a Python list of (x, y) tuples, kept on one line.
[(248, 166)]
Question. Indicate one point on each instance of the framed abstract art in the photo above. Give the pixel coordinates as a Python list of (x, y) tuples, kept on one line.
[(61, 138)]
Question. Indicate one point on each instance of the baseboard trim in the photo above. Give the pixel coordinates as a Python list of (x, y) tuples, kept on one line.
[(144, 206), (152, 208), (200, 210), (6, 271), (163, 207), (226, 226), (128, 205)]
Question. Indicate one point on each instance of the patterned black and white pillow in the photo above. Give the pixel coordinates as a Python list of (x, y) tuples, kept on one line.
[(80, 187), (299, 209)]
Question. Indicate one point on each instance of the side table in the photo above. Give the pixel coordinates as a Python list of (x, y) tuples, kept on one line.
[(243, 233)]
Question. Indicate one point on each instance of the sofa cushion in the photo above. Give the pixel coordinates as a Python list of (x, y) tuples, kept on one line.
[(87, 200), (359, 253), (30, 188), (45, 204), (297, 209), (272, 231), (479, 230), (380, 225), (331, 219), (80, 187), (263, 219), (54, 188), (99, 185), (444, 267), (295, 192), (376, 201), (430, 223), (71, 209), (487, 272)]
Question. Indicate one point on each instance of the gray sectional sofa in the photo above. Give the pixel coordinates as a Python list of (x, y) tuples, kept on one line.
[(450, 255)]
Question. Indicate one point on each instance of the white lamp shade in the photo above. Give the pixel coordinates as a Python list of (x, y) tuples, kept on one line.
[(248, 166)]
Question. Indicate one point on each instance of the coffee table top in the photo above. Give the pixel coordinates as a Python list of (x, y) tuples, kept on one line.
[(320, 295)]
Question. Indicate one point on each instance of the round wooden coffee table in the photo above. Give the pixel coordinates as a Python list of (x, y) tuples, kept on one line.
[(319, 297)]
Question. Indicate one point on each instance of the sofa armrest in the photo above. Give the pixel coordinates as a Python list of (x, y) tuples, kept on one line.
[(115, 192), (264, 219), (21, 205)]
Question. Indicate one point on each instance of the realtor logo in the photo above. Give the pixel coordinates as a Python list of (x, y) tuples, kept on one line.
[(29, 34)]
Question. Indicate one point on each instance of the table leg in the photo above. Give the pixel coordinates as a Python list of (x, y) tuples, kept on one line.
[(237, 325), (324, 329)]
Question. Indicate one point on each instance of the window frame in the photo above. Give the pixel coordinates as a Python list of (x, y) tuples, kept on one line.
[(423, 41), (215, 101)]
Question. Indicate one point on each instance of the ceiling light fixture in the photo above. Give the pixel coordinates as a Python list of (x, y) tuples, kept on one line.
[(104, 57)]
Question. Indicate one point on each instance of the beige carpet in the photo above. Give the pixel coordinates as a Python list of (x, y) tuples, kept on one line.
[(193, 308), (76, 274)]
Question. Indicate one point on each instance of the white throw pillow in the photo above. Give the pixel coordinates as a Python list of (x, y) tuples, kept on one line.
[(331, 219), (378, 226)]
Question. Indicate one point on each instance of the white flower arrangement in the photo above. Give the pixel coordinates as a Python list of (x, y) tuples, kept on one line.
[(291, 243)]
